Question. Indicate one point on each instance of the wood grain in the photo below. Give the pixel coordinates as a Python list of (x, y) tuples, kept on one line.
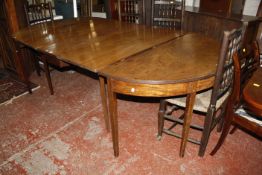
[(92, 43)]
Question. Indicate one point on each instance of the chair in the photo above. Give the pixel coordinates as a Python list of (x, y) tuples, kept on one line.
[(132, 11), (168, 13), (210, 102), (235, 112), (37, 13)]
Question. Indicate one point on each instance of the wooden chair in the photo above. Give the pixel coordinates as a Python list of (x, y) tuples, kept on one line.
[(168, 13), (236, 114), (132, 11), (211, 102), (39, 13)]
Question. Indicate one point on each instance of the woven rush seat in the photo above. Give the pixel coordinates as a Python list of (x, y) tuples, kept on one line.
[(202, 101)]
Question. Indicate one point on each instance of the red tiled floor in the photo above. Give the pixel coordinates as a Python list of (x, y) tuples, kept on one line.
[(65, 134)]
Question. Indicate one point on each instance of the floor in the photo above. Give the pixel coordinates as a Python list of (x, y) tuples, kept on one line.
[(65, 134)]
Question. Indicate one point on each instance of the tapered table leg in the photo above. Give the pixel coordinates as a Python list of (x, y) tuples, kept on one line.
[(104, 101), (187, 121), (113, 118)]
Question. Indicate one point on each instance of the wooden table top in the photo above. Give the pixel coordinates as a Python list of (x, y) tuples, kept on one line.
[(253, 93), (92, 43), (188, 58)]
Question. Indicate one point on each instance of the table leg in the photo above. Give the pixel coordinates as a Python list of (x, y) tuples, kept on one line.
[(113, 117), (47, 74), (20, 66), (187, 121), (104, 101)]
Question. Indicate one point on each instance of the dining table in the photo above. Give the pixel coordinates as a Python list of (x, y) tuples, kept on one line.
[(183, 66), (130, 59), (91, 43)]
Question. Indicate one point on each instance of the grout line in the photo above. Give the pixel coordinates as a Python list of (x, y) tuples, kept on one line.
[(10, 101), (16, 155)]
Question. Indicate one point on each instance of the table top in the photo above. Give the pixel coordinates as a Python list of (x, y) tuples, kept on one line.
[(92, 43), (186, 59), (252, 93)]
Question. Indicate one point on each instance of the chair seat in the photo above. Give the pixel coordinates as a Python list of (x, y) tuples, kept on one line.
[(244, 114), (202, 101)]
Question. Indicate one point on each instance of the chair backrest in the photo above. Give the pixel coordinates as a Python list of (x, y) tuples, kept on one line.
[(232, 42), (245, 62), (131, 11), (38, 13), (168, 13)]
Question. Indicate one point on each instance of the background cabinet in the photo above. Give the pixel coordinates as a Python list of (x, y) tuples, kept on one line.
[(222, 6), (10, 22)]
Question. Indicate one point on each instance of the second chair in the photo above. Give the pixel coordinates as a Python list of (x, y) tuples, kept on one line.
[(211, 102), (37, 14)]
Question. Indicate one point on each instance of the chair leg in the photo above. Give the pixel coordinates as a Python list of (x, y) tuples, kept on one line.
[(20, 53), (206, 132), (220, 125), (48, 77), (233, 130), (37, 67), (161, 113), (221, 121), (225, 130)]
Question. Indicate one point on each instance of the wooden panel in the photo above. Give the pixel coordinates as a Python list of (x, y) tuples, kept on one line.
[(21, 18), (113, 14), (9, 24), (217, 6), (11, 16), (5, 39), (214, 25)]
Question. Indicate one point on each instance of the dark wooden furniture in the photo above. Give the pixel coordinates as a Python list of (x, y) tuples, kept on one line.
[(252, 94), (85, 8), (92, 44), (185, 65), (38, 13), (10, 22), (237, 111), (131, 11), (222, 6), (214, 24), (211, 102), (168, 13)]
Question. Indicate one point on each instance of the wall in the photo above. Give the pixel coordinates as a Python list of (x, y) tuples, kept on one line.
[(251, 7)]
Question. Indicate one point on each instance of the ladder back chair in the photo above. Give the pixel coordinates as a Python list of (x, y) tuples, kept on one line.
[(236, 113), (132, 11), (211, 102), (40, 13), (168, 13)]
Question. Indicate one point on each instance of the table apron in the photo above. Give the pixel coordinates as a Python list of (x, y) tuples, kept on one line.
[(160, 90)]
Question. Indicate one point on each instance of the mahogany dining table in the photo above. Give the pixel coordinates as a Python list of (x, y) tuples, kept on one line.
[(183, 66), (91, 43), (133, 59)]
